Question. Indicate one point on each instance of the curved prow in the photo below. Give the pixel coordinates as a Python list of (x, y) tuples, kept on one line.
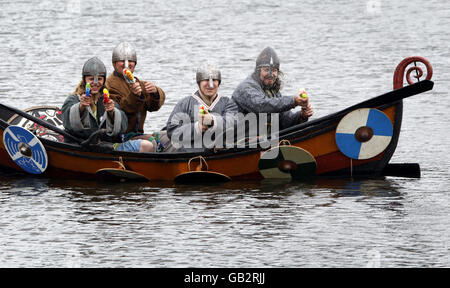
[(401, 68)]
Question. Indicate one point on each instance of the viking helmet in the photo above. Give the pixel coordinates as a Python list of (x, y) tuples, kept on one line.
[(94, 67), (124, 51), (268, 58), (208, 72)]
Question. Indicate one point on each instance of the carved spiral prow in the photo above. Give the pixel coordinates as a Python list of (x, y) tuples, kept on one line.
[(400, 71)]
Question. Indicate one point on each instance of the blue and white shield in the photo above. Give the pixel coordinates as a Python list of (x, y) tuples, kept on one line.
[(364, 133), (25, 149)]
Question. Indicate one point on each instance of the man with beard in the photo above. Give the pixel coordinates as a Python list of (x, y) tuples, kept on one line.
[(260, 93)]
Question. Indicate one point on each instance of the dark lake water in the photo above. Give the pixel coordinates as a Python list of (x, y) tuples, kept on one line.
[(342, 52)]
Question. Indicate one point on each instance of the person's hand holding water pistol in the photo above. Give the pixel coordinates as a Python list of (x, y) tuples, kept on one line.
[(106, 99), (108, 103), (135, 86), (205, 118), (302, 99), (85, 99)]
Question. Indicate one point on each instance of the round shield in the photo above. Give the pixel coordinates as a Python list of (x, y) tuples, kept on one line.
[(25, 149), (287, 162), (121, 175), (363, 133), (50, 114)]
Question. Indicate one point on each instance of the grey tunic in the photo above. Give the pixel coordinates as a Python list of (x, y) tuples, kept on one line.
[(184, 129), (87, 123), (252, 98)]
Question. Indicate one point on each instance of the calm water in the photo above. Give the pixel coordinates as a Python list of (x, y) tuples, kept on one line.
[(343, 52)]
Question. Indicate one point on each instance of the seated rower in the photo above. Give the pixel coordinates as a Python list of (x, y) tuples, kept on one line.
[(135, 96), (260, 93), (197, 120), (86, 110)]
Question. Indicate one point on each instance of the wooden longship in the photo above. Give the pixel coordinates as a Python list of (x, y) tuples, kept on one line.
[(317, 137)]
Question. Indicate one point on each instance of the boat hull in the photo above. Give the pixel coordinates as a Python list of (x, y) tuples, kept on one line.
[(70, 162)]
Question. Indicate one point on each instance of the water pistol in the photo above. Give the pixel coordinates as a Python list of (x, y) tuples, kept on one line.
[(130, 80), (303, 94), (205, 120), (106, 98), (128, 76), (88, 89)]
